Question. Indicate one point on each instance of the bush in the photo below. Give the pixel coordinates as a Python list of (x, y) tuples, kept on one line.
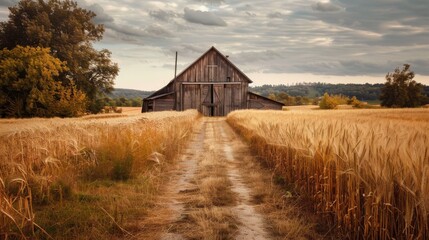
[(356, 103), (328, 102)]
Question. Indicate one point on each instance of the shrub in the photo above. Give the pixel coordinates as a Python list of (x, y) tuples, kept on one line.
[(328, 102), (356, 103)]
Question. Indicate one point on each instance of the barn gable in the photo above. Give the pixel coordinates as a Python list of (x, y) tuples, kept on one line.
[(212, 84)]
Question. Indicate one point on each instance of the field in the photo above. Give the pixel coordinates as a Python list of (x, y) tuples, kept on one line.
[(367, 171), (296, 174), (84, 178)]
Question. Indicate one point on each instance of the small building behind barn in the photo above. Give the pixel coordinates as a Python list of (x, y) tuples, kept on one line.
[(213, 85)]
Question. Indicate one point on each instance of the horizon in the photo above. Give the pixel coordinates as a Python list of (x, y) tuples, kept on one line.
[(274, 85)]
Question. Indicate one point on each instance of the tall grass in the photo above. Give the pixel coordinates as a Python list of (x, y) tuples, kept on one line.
[(59, 165), (366, 170)]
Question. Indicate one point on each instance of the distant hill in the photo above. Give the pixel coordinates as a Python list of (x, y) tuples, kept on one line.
[(129, 93), (363, 92)]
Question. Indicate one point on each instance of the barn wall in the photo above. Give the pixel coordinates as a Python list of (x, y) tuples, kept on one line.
[(165, 103), (212, 85), (211, 67)]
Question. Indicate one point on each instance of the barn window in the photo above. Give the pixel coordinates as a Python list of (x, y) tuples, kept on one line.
[(228, 79)]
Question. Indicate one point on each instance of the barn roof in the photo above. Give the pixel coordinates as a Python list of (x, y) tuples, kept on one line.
[(159, 96), (268, 99), (162, 91), (224, 58)]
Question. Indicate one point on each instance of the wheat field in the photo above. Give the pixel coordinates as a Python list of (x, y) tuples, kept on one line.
[(89, 173), (366, 171)]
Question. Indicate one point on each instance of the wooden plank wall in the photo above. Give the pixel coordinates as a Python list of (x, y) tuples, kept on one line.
[(165, 103), (256, 102), (212, 67), (211, 74)]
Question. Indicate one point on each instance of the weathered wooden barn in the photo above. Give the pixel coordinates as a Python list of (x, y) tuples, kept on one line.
[(213, 85)]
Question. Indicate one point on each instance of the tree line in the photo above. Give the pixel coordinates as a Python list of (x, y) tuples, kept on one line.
[(48, 65), (364, 92), (399, 90)]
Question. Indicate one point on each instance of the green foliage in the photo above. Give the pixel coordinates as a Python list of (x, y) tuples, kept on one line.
[(110, 165), (290, 100), (400, 90), (96, 105), (121, 102), (364, 92), (72, 218), (122, 169), (340, 99), (356, 103), (128, 93), (328, 102), (28, 87), (68, 31)]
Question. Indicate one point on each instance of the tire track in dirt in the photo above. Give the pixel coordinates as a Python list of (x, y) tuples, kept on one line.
[(170, 207), (218, 191), (252, 225)]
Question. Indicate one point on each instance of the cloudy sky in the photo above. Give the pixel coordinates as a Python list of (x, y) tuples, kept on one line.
[(273, 42)]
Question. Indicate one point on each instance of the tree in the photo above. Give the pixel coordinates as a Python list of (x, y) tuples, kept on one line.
[(28, 87), (400, 90), (68, 31)]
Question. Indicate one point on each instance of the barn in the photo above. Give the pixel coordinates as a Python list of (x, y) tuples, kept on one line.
[(213, 85)]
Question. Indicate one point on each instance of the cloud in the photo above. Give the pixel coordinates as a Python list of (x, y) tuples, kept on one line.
[(326, 7), (346, 68), (215, 2), (187, 51), (162, 15), (101, 16), (245, 7), (131, 31), (126, 30), (8, 3), (321, 37), (157, 31), (419, 66), (204, 18), (277, 14)]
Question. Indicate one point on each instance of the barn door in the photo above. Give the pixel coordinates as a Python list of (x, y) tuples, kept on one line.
[(206, 100), (218, 100), (213, 100)]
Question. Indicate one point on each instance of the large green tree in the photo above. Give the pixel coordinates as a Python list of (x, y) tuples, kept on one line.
[(68, 30), (28, 87), (400, 90)]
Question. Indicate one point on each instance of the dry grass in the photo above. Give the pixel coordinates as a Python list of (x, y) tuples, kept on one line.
[(286, 213), (84, 179), (213, 223), (366, 171), (207, 206)]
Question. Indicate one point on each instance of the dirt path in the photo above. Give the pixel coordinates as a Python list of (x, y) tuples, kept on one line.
[(217, 191)]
